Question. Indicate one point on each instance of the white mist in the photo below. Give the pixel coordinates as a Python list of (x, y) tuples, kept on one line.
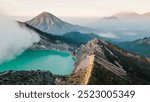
[(14, 39)]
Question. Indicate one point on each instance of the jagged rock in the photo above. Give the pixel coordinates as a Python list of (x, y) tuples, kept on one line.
[(26, 78), (99, 62)]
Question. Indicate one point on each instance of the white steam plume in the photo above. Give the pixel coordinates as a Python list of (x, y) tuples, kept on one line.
[(13, 39)]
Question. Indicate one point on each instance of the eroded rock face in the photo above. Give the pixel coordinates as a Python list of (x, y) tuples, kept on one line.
[(26, 78), (99, 62), (46, 45)]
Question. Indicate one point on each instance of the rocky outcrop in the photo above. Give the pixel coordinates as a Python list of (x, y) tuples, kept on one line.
[(26, 78), (99, 62), (46, 45)]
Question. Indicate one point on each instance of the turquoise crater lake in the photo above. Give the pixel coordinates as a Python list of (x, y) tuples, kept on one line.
[(60, 63)]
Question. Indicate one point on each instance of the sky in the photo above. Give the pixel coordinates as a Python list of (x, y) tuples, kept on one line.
[(73, 8)]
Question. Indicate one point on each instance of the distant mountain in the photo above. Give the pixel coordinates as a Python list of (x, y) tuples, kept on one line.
[(145, 41), (127, 15), (110, 18), (130, 15), (67, 42), (140, 46), (49, 23), (146, 14), (127, 26)]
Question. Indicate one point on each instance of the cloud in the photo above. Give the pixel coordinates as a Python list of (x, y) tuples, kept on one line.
[(13, 39), (130, 33), (108, 35)]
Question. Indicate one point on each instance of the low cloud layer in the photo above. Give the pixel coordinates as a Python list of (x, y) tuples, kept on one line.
[(14, 39), (108, 35)]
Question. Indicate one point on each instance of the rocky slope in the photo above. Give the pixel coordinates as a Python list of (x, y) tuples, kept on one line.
[(68, 42), (49, 23), (99, 62), (26, 78), (140, 46), (49, 41)]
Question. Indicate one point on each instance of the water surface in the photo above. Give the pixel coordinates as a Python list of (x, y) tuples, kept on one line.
[(57, 62)]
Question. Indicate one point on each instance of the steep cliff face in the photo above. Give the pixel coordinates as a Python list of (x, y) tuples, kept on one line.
[(99, 62)]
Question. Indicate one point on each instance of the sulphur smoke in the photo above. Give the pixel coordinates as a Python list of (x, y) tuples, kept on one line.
[(14, 40)]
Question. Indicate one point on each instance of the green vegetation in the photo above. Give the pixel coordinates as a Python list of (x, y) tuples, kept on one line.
[(71, 38), (78, 38), (141, 46)]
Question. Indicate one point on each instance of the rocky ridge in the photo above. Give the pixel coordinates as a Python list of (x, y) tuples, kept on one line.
[(49, 23), (99, 62)]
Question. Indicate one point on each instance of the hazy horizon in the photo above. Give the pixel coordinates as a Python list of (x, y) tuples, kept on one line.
[(24, 18), (78, 8), (86, 13)]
